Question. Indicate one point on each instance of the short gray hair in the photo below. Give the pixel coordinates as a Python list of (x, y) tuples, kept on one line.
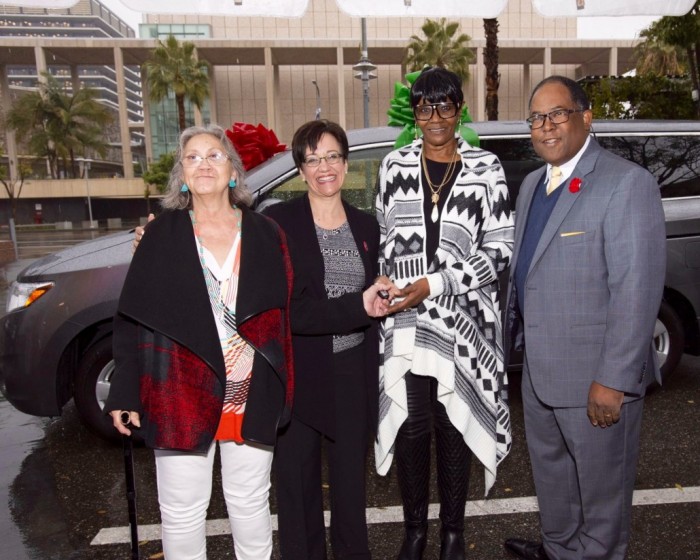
[(174, 199)]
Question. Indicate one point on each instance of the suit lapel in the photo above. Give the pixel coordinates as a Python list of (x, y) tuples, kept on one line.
[(165, 289), (262, 281), (306, 236), (527, 192), (566, 201)]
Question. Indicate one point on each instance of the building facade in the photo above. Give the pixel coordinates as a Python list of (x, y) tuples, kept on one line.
[(243, 90), (267, 70), (89, 19)]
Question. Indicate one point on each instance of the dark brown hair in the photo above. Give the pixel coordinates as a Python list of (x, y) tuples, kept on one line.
[(309, 134)]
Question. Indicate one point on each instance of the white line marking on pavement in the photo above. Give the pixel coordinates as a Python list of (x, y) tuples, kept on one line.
[(394, 514)]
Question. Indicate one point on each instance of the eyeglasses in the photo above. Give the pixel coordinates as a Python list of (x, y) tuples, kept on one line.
[(214, 158), (331, 159), (444, 111), (558, 116)]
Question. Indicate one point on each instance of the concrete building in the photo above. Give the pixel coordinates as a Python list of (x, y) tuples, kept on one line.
[(264, 69), (89, 19)]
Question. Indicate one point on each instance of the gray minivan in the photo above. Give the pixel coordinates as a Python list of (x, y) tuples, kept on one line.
[(55, 340)]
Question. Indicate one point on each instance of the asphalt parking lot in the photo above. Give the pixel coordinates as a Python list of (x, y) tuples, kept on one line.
[(68, 489)]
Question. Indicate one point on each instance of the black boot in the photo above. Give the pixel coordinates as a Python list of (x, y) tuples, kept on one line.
[(414, 542), (453, 465), (413, 474), (452, 545)]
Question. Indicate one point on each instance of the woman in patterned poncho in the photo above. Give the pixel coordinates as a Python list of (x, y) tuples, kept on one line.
[(446, 234)]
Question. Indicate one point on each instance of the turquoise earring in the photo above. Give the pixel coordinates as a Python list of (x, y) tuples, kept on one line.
[(232, 184), (184, 187)]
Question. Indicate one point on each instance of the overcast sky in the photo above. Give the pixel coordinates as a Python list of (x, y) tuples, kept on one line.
[(612, 27), (588, 28), (129, 16)]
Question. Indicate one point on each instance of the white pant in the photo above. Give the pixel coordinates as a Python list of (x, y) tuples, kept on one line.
[(184, 490)]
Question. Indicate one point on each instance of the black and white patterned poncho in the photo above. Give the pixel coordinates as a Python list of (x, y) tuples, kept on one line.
[(455, 334)]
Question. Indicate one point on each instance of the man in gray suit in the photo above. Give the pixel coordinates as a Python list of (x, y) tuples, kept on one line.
[(585, 287)]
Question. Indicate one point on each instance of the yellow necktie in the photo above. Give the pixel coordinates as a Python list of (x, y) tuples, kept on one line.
[(554, 179)]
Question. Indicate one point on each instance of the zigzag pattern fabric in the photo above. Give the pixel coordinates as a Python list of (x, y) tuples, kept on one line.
[(238, 354), (455, 334)]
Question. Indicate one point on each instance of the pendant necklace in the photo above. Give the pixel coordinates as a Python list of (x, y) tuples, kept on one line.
[(435, 190)]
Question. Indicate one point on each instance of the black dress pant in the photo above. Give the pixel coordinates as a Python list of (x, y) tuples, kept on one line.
[(298, 473)]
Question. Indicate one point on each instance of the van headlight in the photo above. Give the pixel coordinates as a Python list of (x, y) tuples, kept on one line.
[(23, 294)]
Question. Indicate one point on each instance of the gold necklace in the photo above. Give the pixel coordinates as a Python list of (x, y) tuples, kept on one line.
[(435, 190)]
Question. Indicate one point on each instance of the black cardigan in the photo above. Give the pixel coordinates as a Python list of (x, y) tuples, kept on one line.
[(313, 355), (165, 294)]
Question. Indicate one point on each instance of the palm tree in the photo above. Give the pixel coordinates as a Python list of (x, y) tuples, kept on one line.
[(30, 117), (653, 56), (58, 125), (440, 48), (174, 67), (493, 77), (80, 124)]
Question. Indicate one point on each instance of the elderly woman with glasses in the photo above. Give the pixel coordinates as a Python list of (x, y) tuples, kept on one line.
[(446, 235), (202, 347), (334, 246)]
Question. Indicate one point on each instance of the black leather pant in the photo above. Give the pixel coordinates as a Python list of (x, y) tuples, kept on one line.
[(413, 458)]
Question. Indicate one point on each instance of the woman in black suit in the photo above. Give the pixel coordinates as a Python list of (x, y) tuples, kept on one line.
[(334, 250)]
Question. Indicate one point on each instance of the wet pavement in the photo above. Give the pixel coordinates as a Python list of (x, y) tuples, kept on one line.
[(20, 434), (63, 485), (36, 241)]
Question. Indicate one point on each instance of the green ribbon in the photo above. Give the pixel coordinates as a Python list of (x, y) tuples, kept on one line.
[(401, 114)]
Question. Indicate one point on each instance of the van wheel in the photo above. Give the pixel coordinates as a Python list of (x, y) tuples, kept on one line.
[(669, 339), (91, 388)]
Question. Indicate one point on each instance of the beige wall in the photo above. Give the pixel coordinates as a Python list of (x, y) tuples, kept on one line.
[(69, 188), (241, 92), (324, 20)]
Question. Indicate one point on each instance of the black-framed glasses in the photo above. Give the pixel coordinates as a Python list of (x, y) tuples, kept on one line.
[(331, 159), (558, 116), (214, 158), (444, 111)]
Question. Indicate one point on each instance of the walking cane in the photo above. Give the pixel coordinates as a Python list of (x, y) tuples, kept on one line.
[(130, 487)]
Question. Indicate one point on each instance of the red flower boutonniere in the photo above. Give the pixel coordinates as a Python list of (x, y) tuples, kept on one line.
[(364, 244), (575, 185)]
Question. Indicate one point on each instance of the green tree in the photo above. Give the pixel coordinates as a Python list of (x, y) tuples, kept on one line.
[(58, 126), (641, 97), (157, 175), (158, 172), (13, 187), (683, 34), (174, 67), (493, 77), (441, 47), (81, 123)]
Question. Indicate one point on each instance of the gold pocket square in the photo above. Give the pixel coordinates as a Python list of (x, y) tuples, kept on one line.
[(571, 233)]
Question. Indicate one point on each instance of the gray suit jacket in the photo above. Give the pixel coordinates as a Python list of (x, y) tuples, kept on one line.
[(595, 282)]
